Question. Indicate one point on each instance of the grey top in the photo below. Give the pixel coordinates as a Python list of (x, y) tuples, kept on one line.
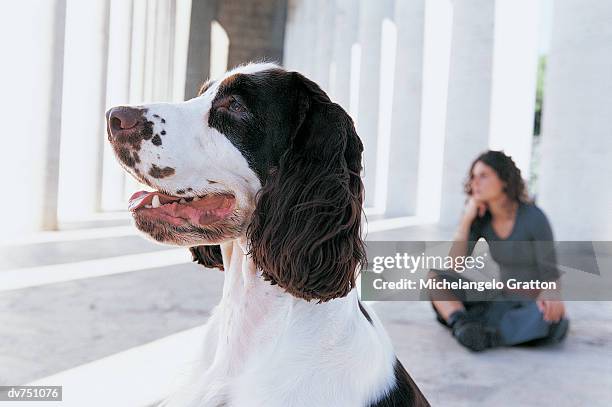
[(528, 253)]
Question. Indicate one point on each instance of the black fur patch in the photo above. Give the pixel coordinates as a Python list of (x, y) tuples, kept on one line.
[(364, 312), (263, 131), (405, 393), (207, 256)]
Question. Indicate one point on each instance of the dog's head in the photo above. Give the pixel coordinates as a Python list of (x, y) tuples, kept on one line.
[(261, 152)]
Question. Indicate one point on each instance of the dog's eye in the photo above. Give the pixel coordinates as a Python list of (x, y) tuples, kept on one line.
[(236, 107)]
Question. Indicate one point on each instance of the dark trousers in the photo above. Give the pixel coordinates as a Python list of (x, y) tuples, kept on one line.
[(516, 321)]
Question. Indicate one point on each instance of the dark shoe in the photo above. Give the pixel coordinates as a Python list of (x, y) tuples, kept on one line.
[(558, 331), (473, 334)]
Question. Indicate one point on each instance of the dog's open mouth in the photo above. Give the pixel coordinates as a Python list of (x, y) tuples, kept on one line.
[(178, 211)]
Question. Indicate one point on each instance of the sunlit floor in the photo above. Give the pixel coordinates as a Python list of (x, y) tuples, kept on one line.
[(114, 319)]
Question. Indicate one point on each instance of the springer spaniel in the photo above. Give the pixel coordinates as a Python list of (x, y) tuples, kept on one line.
[(260, 176)]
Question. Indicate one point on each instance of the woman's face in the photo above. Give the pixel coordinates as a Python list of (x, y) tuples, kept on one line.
[(485, 183)]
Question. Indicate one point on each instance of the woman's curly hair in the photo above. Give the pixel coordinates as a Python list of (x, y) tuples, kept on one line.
[(506, 170)]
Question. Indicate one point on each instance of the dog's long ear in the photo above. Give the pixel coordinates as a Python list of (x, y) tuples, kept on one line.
[(207, 256), (305, 231)]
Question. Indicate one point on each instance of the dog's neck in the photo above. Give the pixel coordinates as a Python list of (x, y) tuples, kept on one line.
[(254, 312)]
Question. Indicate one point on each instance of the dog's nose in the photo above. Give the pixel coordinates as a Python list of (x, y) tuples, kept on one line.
[(123, 119)]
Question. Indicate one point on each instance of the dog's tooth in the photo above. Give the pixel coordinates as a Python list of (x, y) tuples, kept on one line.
[(155, 202), (197, 198), (148, 206), (182, 200)]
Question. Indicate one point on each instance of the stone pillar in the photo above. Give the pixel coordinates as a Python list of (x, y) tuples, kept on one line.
[(151, 36), (576, 168), (346, 24), (83, 121), (117, 93), (164, 50), (309, 35), (515, 65), (32, 99), (291, 54), (181, 47), (324, 42), (371, 16), (198, 54), (469, 98), (401, 189), (436, 57), (301, 36), (138, 54)]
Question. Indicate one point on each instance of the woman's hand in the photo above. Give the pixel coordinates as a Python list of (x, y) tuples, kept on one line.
[(553, 310), (474, 208)]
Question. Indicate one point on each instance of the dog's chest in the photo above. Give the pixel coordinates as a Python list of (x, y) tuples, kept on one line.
[(264, 347)]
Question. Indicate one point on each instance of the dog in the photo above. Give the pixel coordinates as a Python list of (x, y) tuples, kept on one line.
[(259, 175)]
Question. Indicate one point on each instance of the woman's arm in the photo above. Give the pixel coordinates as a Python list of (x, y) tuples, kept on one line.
[(549, 301), (544, 245), (466, 234)]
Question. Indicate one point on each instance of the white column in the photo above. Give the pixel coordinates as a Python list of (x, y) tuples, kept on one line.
[(436, 59), (289, 53), (371, 16), (181, 47), (308, 36), (324, 42), (138, 54), (403, 165), (469, 98), (117, 93), (151, 37), (345, 37), (293, 54), (164, 50), (515, 61), (83, 122), (32, 100), (576, 166)]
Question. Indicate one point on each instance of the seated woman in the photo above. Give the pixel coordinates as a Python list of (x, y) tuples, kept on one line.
[(498, 211)]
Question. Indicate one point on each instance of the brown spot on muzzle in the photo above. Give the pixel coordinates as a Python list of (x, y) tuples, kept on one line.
[(125, 156), (157, 172), (147, 131)]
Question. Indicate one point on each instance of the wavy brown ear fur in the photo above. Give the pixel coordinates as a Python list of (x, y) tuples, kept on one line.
[(305, 232), (207, 256)]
